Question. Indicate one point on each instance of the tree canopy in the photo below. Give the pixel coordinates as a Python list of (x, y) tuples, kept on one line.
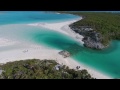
[(106, 23), (40, 69)]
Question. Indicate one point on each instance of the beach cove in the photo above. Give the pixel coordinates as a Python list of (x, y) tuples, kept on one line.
[(38, 39)]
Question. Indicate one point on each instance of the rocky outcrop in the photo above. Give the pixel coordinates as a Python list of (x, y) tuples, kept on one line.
[(64, 53), (91, 43), (92, 39)]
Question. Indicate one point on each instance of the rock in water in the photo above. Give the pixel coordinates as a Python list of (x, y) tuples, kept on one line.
[(64, 53)]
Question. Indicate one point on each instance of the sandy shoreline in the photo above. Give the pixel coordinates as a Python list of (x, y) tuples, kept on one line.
[(34, 52), (62, 27), (6, 42), (31, 51)]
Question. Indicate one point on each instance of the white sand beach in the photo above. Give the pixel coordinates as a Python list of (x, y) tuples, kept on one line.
[(31, 51), (62, 27), (6, 42)]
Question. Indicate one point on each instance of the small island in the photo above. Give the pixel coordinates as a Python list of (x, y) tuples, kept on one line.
[(40, 69)]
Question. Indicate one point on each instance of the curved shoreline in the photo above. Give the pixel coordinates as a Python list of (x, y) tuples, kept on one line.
[(63, 27), (31, 51)]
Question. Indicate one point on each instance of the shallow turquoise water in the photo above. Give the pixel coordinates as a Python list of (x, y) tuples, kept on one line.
[(107, 61), (13, 17)]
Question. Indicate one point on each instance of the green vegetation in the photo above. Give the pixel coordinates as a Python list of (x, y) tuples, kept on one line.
[(40, 69), (106, 23)]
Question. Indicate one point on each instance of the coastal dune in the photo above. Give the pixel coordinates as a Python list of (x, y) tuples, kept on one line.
[(31, 51)]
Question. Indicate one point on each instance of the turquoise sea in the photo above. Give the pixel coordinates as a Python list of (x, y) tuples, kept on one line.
[(13, 26)]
